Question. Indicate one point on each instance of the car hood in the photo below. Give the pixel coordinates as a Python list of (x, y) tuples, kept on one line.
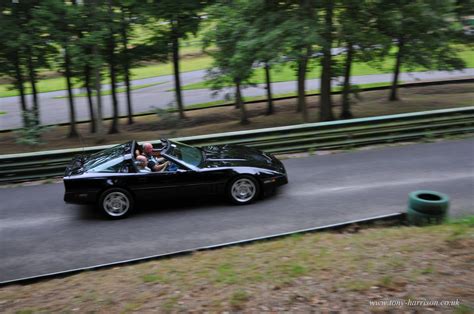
[(236, 155)]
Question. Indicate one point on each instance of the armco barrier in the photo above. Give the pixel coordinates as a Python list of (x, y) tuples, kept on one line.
[(287, 139)]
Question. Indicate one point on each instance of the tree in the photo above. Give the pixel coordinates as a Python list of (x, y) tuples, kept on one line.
[(422, 33), (232, 61), (264, 37), (94, 38), (59, 20), (11, 56), (326, 113), (111, 58), (300, 36), (359, 35), (29, 50), (179, 19), (126, 18), (83, 59)]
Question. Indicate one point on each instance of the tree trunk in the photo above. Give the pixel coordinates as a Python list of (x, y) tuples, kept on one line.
[(20, 84), (396, 72), (326, 101), (34, 91), (239, 101), (72, 113), (86, 71), (177, 81), (113, 85), (98, 110), (126, 67), (270, 109), (90, 102), (346, 106), (113, 75), (302, 68)]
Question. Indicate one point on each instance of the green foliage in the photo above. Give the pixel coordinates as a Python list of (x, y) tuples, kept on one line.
[(168, 118), (232, 58), (425, 31), (30, 134)]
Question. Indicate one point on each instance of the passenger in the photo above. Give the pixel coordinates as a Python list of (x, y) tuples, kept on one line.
[(155, 162), (142, 164)]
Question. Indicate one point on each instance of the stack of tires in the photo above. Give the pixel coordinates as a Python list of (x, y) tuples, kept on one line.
[(427, 207)]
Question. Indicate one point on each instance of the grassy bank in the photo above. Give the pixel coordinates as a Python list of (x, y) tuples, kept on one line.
[(291, 94), (286, 72), (145, 71), (119, 90), (301, 273)]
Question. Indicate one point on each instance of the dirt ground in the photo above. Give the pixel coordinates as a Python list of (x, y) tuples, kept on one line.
[(224, 119), (390, 270)]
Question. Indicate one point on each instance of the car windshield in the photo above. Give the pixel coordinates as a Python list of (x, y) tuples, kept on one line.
[(105, 156), (188, 154)]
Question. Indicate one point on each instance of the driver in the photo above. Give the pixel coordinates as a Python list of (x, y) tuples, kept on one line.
[(155, 161)]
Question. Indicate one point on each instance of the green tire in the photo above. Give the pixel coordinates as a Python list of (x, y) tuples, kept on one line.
[(414, 217), (428, 202)]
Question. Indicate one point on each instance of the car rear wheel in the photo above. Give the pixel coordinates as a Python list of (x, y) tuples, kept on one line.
[(116, 203), (243, 190)]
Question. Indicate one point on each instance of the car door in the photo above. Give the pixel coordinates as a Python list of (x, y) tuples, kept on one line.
[(200, 182), (152, 185)]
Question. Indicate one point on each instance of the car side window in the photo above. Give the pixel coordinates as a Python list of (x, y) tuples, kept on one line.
[(114, 166)]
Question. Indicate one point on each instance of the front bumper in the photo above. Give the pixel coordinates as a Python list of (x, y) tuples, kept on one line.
[(270, 184), (80, 197)]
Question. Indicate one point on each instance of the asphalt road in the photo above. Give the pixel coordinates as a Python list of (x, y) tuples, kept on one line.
[(40, 234), (53, 110)]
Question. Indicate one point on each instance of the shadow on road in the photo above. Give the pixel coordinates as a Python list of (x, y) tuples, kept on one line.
[(166, 206)]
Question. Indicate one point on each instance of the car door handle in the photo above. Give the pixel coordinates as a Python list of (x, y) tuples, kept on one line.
[(142, 180)]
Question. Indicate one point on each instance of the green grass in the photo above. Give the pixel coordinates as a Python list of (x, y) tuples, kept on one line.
[(290, 94), (186, 65), (119, 90), (281, 73), (59, 83), (3, 112), (286, 72), (152, 278)]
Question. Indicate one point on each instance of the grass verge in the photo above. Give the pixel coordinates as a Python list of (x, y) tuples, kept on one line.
[(291, 94), (350, 270), (281, 73), (285, 72), (119, 90)]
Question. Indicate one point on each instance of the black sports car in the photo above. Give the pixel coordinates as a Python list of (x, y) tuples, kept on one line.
[(114, 181)]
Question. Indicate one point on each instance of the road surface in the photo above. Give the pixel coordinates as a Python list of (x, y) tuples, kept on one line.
[(41, 234)]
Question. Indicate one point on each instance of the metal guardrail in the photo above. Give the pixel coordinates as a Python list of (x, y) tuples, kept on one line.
[(287, 139)]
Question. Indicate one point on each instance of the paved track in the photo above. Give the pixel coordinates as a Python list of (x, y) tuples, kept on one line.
[(40, 234), (54, 110)]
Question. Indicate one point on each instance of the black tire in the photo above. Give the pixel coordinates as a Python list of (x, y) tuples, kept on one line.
[(428, 202), (116, 203), (243, 190)]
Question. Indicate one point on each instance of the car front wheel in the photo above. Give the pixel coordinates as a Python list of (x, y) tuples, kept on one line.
[(116, 203), (243, 190)]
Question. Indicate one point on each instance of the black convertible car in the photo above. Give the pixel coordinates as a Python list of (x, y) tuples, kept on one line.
[(112, 180)]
